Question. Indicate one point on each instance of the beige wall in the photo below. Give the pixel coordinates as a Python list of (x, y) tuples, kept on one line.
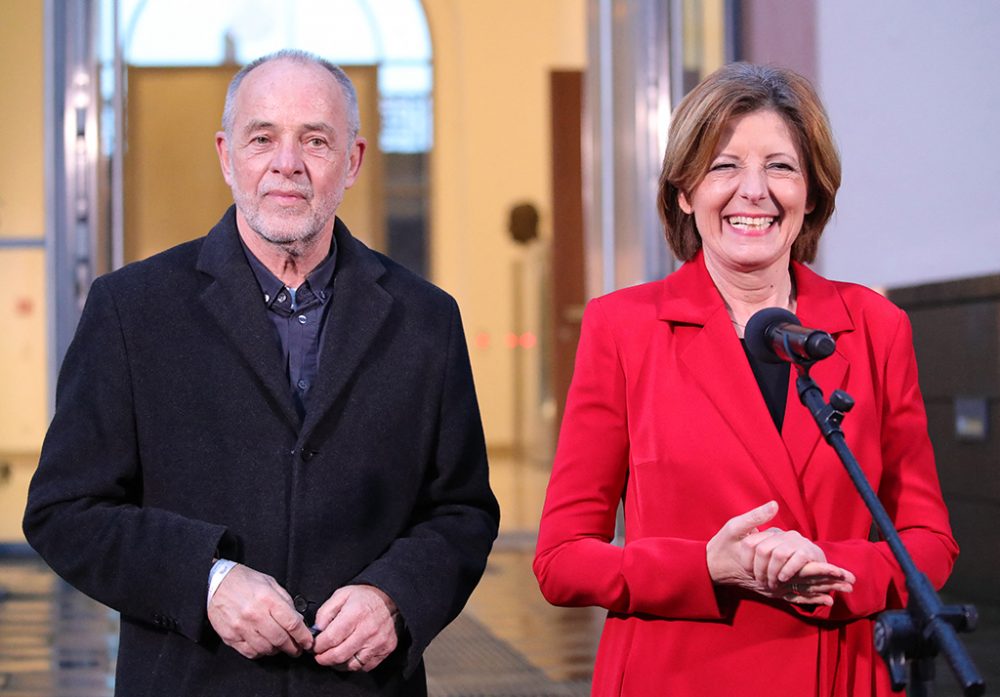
[(23, 409), (23, 406), (22, 204), (491, 151), (174, 190)]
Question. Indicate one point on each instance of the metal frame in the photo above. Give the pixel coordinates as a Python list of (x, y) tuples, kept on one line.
[(76, 240), (628, 101), (636, 78)]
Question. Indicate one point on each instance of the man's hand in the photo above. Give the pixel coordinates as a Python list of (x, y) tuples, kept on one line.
[(775, 563), (256, 616), (358, 629)]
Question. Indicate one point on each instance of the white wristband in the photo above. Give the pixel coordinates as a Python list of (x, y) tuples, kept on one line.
[(220, 568)]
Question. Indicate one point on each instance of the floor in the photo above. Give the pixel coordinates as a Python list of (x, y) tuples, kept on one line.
[(55, 642), (509, 642)]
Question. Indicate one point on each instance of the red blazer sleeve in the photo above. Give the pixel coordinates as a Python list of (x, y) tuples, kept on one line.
[(908, 489), (576, 562)]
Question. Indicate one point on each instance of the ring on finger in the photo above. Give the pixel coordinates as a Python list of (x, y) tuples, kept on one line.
[(360, 662), (795, 589)]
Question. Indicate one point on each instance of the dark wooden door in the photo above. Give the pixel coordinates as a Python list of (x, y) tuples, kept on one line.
[(567, 258)]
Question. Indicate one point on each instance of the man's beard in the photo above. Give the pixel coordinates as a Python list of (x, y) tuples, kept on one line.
[(292, 230)]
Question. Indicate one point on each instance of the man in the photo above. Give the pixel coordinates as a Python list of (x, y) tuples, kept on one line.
[(266, 452)]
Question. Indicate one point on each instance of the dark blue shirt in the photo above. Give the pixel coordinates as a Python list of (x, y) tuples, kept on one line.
[(299, 316)]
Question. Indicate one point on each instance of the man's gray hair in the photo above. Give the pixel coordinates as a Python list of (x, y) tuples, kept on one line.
[(297, 56)]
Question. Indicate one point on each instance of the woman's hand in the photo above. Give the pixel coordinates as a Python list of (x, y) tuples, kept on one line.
[(775, 563)]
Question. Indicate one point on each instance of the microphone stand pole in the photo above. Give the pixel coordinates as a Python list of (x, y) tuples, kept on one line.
[(926, 626)]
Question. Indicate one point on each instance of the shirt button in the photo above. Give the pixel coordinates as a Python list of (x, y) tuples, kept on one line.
[(282, 297), (302, 319), (302, 385)]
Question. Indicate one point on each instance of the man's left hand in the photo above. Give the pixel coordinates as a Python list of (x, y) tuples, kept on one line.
[(358, 629)]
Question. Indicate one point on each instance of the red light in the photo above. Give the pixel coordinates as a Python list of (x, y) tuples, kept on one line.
[(528, 340)]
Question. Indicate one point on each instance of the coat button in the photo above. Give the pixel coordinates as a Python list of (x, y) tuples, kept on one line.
[(301, 604), (307, 455)]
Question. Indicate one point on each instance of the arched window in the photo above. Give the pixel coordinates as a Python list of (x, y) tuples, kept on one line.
[(391, 34)]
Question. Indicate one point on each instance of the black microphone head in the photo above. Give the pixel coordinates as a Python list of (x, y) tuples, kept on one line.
[(755, 333), (820, 345)]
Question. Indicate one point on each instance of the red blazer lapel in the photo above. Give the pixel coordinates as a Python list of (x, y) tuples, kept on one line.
[(818, 306), (720, 368)]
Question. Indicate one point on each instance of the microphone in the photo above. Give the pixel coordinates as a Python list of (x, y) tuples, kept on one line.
[(775, 335)]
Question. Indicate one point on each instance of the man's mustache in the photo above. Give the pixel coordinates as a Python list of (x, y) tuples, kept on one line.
[(303, 190)]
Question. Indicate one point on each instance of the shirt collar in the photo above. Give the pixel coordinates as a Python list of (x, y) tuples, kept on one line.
[(319, 280)]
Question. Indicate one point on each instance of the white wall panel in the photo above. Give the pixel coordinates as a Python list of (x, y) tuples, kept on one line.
[(913, 92)]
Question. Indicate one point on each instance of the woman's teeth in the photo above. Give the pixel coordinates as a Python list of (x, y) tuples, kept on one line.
[(748, 223)]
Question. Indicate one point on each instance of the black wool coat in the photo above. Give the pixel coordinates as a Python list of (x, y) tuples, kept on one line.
[(175, 438)]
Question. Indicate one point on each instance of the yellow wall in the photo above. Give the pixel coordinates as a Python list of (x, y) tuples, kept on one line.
[(23, 409), (23, 406), (22, 191), (174, 190), (492, 60)]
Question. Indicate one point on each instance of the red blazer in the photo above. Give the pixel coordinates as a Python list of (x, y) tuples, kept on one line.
[(665, 412)]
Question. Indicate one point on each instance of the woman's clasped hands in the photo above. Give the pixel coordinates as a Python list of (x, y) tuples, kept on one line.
[(773, 562)]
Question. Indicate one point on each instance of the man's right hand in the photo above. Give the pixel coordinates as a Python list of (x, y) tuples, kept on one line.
[(254, 615)]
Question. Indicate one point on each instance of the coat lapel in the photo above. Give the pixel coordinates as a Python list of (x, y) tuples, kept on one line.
[(233, 300), (720, 368), (819, 306), (360, 308)]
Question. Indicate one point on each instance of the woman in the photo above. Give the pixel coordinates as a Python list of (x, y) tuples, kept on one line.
[(747, 565)]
